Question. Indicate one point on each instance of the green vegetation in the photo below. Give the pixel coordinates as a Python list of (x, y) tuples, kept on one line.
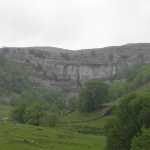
[(25, 137), (13, 77), (92, 95), (117, 89), (106, 115), (66, 135), (39, 107), (140, 78), (142, 141), (131, 116)]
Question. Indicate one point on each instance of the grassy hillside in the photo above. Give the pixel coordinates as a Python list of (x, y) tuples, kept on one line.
[(74, 131), (5, 111), (26, 137)]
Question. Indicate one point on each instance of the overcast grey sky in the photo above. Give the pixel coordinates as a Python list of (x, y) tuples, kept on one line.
[(74, 24)]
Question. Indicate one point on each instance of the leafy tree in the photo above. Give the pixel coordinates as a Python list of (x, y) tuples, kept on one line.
[(142, 141), (117, 89), (35, 112), (132, 114), (114, 134), (140, 78), (72, 104), (38, 107), (92, 95), (18, 113), (55, 98)]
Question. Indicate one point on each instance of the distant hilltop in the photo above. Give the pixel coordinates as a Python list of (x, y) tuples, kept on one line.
[(68, 70)]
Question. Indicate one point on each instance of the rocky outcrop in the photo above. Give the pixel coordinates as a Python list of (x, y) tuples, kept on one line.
[(54, 67)]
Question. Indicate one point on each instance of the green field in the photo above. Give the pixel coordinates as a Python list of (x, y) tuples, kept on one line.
[(74, 132)]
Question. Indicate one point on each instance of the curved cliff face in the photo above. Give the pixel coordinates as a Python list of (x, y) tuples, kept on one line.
[(54, 67)]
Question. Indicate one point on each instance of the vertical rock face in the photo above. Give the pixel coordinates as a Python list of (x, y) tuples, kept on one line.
[(66, 69)]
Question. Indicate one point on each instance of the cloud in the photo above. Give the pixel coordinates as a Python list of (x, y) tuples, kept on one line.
[(74, 24)]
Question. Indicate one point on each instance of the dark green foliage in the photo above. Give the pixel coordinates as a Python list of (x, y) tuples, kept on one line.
[(35, 112), (132, 114), (39, 107), (114, 134), (142, 141), (92, 95), (18, 113), (73, 103), (133, 71), (140, 77), (13, 77), (54, 98), (117, 89)]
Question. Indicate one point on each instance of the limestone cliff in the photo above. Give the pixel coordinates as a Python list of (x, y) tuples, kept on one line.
[(54, 67)]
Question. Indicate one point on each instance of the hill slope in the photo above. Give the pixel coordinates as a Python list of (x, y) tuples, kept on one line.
[(55, 67), (15, 136)]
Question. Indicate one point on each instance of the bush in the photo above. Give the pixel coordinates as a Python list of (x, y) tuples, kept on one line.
[(140, 78), (35, 113), (92, 95), (39, 107), (18, 113), (132, 114), (118, 89), (142, 141), (72, 104)]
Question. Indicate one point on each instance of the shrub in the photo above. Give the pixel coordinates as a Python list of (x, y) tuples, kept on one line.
[(132, 114), (117, 89), (92, 95), (142, 141), (38, 107)]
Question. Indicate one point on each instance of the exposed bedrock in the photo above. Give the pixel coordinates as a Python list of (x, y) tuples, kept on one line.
[(66, 69)]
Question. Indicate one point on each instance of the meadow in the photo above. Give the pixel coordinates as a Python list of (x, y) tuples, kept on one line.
[(74, 132)]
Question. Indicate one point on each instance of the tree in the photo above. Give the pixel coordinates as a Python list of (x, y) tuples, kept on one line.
[(131, 116), (142, 141), (140, 77), (92, 95), (35, 113), (72, 104), (117, 89), (39, 107), (18, 113)]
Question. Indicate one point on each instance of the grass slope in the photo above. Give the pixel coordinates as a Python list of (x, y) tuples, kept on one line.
[(68, 136), (26, 137)]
